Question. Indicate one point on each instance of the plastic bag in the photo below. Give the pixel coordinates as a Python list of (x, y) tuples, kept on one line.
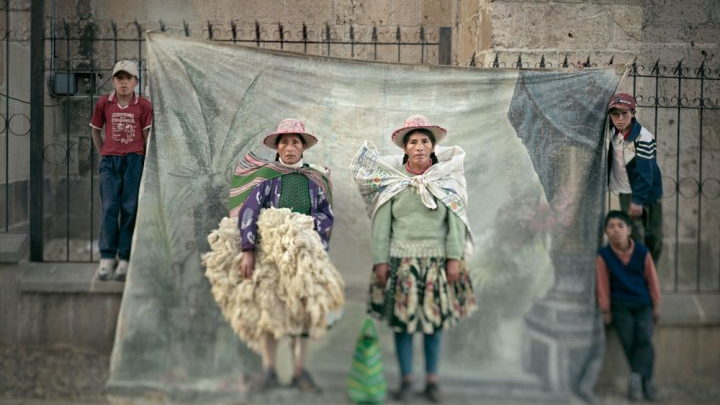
[(366, 383)]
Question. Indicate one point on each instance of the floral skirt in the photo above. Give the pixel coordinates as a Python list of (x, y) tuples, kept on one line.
[(418, 297)]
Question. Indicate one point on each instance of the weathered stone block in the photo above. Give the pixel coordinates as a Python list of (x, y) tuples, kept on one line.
[(466, 42), (436, 13), (659, 34), (587, 28), (685, 13), (406, 12), (679, 349), (626, 25), (13, 247), (379, 13), (708, 361), (704, 37), (510, 26), (469, 9)]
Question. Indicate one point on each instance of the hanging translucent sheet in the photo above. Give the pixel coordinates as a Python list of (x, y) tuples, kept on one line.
[(535, 168)]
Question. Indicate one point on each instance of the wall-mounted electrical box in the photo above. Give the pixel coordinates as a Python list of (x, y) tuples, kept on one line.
[(73, 84)]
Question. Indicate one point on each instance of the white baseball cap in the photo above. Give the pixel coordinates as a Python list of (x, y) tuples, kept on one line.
[(126, 66)]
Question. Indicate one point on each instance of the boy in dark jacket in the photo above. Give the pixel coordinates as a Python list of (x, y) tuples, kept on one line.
[(634, 173), (628, 294)]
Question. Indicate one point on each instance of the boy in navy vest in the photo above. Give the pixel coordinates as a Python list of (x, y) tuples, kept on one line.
[(628, 294)]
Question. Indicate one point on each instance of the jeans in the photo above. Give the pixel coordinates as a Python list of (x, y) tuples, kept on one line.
[(404, 350), (119, 187), (634, 326)]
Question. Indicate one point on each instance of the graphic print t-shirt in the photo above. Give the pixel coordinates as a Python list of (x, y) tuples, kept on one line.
[(123, 125)]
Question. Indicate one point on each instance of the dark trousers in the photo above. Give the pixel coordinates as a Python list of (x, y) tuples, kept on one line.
[(647, 229), (634, 326), (404, 350), (119, 187)]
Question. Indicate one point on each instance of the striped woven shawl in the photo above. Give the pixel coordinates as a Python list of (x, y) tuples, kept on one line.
[(252, 170)]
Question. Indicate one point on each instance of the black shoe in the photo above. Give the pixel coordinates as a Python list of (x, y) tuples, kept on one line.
[(404, 392), (649, 389), (266, 381), (432, 392), (304, 382)]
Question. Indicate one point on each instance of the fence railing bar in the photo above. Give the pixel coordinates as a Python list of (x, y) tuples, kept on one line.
[(91, 107), (398, 38), (257, 33), (304, 37), (140, 57), (352, 42), (698, 258), (327, 38), (6, 119), (281, 32), (67, 156)]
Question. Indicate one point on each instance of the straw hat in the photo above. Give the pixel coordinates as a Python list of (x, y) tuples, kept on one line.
[(290, 126), (417, 122)]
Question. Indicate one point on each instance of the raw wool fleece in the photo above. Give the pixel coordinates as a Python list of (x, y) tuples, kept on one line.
[(293, 288)]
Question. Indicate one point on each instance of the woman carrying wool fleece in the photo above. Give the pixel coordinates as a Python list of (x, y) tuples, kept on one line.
[(284, 284)]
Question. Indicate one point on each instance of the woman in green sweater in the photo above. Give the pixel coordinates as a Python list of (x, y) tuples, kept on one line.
[(420, 238)]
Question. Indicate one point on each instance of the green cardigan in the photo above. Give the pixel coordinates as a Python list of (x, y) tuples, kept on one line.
[(404, 227)]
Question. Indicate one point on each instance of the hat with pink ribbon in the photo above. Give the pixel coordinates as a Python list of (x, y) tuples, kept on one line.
[(417, 122), (290, 126)]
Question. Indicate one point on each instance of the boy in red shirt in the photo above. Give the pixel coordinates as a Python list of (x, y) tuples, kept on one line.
[(127, 118)]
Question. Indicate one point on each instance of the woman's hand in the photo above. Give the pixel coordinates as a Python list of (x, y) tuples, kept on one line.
[(381, 273), (452, 269), (247, 263)]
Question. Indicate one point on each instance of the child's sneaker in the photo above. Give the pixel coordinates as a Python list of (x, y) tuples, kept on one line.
[(121, 270), (635, 387), (105, 269)]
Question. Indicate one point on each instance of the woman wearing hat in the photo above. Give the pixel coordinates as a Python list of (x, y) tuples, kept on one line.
[(291, 183), (420, 238)]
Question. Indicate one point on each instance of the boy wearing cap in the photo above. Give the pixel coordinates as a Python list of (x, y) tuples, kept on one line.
[(634, 174), (127, 118)]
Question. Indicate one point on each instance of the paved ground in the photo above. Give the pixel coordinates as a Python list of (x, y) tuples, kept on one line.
[(63, 376)]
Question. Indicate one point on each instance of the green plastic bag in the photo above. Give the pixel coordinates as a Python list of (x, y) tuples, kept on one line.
[(366, 383)]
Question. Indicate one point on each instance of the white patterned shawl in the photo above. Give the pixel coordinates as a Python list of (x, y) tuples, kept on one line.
[(378, 180)]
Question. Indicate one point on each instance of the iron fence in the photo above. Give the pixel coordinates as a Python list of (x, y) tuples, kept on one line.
[(14, 121), (682, 107), (77, 67)]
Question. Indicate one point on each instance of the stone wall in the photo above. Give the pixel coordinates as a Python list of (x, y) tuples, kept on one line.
[(668, 30)]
